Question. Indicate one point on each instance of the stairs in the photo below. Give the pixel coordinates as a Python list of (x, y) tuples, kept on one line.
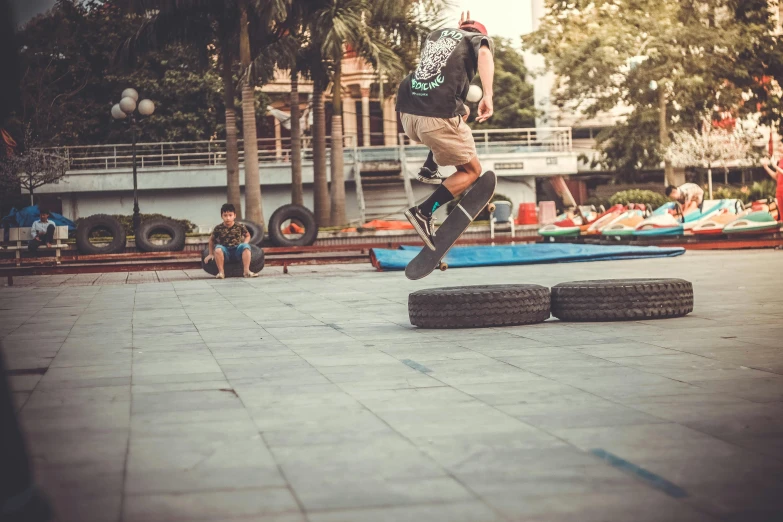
[(384, 194)]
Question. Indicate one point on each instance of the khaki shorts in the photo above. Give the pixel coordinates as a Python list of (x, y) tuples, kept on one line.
[(450, 140)]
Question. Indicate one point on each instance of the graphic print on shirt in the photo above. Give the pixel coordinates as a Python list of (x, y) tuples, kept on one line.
[(429, 73)]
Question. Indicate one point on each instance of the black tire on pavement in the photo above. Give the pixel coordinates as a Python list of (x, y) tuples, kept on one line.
[(296, 214), (622, 299), (100, 222), (234, 269), (256, 231), (150, 227), (476, 306)]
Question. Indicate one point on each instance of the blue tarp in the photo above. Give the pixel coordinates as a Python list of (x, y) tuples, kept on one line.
[(526, 254), (28, 215)]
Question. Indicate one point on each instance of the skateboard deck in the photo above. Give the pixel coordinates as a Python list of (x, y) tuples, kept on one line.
[(453, 226)]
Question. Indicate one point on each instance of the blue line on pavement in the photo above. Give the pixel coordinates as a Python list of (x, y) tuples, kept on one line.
[(416, 366), (649, 477)]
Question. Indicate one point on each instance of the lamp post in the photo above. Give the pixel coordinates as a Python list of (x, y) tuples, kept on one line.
[(127, 109)]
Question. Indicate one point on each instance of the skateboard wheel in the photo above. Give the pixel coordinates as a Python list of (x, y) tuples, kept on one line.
[(491, 207), (443, 267)]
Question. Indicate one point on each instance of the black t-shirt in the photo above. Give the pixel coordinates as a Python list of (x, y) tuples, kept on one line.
[(439, 85)]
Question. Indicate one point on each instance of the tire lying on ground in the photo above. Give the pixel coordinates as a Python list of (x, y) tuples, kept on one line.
[(234, 269), (622, 299), (94, 224), (474, 306), (256, 231), (297, 215), (151, 227)]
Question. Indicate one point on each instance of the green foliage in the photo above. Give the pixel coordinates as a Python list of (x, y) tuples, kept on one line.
[(648, 197), (704, 56), (513, 96), (127, 222), (758, 190), (71, 80), (484, 214)]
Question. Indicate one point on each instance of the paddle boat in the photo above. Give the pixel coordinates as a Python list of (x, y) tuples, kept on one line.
[(758, 222), (570, 224), (663, 223), (605, 219), (625, 224)]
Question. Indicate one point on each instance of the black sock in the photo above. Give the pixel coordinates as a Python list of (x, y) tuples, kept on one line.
[(440, 197), (430, 162)]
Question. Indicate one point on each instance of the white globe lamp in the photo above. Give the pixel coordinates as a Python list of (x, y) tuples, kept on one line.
[(146, 107), (130, 93), (128, 105), (117, 113)]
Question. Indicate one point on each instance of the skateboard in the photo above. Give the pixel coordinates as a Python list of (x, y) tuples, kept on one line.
[(474, 201)]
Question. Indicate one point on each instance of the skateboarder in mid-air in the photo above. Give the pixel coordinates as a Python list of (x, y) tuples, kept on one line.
[(431, 103)]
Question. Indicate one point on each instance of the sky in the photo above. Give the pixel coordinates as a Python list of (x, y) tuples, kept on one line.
[(507, 18)]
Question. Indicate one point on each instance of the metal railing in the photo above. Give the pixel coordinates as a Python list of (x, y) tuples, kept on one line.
[(510, 141), (190, 153), (271, 150)]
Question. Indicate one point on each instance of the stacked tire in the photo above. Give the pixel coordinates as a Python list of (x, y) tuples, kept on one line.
[(90, 226), (297, 215), (235, 268), (158, 226), (479, 306), (510, 305), (622, 299)]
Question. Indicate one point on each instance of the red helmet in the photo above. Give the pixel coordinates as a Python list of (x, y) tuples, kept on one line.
[(474, 26)]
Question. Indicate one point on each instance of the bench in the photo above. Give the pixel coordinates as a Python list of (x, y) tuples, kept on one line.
[(17, 236)]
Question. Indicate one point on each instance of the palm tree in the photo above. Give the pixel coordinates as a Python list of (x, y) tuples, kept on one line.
[(199, 23), (255, 210), (297, 191), (383, 33)]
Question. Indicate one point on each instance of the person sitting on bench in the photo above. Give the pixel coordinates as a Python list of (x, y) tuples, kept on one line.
[(43, 232)]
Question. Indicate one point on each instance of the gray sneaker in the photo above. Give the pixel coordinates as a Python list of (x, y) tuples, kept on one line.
[(430, 177), (424, 226)]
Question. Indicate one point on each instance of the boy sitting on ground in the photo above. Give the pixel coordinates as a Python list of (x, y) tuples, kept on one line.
[(229, 242), (43, 232)]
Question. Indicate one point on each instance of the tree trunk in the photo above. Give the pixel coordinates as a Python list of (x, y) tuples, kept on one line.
[(233, 191), (668, 173), (338, 173), (297, 197), (320, 186), (255, 211)]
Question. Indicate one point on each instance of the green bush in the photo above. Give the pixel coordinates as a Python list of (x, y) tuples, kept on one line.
[(648, 197), (759, 190), (483, 215), (127, 222)]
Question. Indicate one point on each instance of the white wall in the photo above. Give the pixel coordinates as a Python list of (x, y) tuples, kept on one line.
[(199, 205)]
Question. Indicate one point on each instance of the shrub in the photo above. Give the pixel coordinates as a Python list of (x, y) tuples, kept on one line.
[(127, 222), (648, 197)]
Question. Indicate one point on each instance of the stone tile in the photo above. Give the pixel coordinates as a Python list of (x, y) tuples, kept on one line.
[(577, 411), (209, 505), (647, 441), (190, 400), (472, 511), (198, 454), (69, 507), (639, 505)]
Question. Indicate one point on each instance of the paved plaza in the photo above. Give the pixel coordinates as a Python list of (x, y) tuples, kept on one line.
[(310, 397)]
